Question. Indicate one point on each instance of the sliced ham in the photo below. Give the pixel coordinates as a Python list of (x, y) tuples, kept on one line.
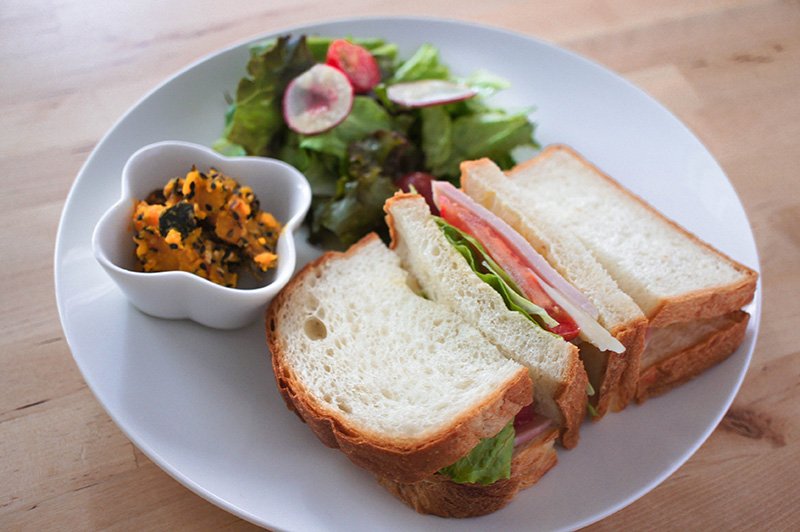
[(529, 425), (536, 262), (566, 296)]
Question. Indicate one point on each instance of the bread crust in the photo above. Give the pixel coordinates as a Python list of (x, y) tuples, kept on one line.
[(621, 377), (571, 399), (709, 303), (387, 208), (698, 304), (438, 495), (405, 461), (685, 364)]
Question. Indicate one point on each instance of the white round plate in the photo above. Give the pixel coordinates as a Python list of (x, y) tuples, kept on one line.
[(202, 403)]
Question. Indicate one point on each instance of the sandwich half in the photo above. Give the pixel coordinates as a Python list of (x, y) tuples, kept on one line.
[(613, 375), (402, 385), (679, 282), (472, 271)]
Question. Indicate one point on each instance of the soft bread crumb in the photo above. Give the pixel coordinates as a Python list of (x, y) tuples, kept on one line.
[(389, 362)]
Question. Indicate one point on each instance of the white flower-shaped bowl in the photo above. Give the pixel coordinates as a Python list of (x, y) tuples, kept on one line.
[(281, 190)]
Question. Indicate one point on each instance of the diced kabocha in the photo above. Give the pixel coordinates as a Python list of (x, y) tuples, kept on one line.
[(206, 224)]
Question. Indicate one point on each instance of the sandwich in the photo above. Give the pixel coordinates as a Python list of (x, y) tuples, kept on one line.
[(469, 260), (618, 249), (449, 363), (403, 386)]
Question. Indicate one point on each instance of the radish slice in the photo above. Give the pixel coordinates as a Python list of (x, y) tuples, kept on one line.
[(427, 92), (536, 262), (317, 100)]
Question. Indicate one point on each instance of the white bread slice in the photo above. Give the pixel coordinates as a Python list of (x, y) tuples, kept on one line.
[(614, 376), (671, 274), (438, 495), (678, 352), (560, 382), (400, 384)]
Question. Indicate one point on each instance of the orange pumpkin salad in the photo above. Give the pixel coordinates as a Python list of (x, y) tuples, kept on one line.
[(206, 224)]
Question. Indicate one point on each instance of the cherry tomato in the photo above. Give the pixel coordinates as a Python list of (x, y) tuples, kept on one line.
[(356, 62)]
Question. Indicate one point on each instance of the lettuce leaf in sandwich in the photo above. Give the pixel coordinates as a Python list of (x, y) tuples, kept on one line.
[(490, 272), (488, 462)]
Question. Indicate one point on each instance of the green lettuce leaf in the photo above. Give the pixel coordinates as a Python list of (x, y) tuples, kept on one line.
[(486, 83), (366, 117), (356, 210), (437, 137), (383, 152), (424, 64), (488, 462), (260, 47), (228, 148), (321, 169), (357, 206), (491, 133), (223, 145), (256, 118), (490, 272)]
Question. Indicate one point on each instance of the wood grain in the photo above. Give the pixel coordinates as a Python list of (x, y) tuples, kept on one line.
[(729, 69)]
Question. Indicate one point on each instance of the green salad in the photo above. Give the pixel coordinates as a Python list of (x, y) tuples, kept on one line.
[(395, 123)]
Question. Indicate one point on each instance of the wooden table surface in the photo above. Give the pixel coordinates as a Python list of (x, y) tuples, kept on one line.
[(729, 69)]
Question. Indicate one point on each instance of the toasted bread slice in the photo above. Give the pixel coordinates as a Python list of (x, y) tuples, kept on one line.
[(613, 376), (560, 382), (438, 495), (678, 352), (400, 384), (671, 274)]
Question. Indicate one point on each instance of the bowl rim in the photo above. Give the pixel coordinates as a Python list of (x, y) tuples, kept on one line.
[(283, 271)]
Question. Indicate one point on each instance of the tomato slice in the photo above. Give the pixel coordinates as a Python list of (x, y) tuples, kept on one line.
[(504, 255)]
